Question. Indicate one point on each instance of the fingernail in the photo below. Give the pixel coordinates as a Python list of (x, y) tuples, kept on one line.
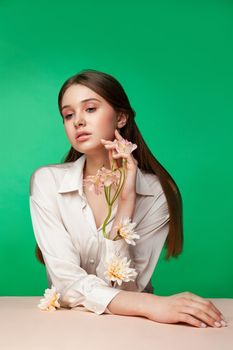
[(203, 325), (217, 324), (223, 323)]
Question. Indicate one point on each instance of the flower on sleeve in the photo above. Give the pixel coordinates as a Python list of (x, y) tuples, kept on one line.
[(125, 229), (118, 271), (50, 300)]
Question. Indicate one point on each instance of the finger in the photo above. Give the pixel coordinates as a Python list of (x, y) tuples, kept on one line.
[(209, 304), (109, 146), (202, 315), (112, 150), (191, 320), (105, 141), (127, 156), (208, 308), (110, 157), (112, 161), (205, 302), (118, 135)]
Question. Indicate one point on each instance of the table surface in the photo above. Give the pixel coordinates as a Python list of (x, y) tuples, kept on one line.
[(24, 326)]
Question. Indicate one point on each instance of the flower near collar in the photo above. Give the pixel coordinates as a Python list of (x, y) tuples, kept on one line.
[(125, 229), (94, 182), (104, 177), (118, 271), (50, 300), (109, 177)]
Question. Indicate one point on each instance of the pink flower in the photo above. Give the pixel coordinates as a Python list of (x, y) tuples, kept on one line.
[(109, 177), (103, 177), (124, 146), (94, 182)]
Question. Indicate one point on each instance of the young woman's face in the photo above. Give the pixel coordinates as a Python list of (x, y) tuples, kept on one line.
[(95, 116)]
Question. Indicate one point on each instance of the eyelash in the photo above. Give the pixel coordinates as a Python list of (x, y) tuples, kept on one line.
[(68, 115)]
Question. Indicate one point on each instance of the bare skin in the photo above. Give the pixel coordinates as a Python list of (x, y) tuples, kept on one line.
[(98, 205)]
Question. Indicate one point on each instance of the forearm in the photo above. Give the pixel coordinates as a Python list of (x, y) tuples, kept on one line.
[(131, 303), (125, 208)]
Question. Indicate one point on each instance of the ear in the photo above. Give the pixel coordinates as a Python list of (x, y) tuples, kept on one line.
[(121, 119)]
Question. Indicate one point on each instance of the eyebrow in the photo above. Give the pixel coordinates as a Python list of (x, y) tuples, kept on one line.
[(87, 99)]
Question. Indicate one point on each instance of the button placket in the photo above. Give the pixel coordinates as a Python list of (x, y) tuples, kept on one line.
[(117, 252)]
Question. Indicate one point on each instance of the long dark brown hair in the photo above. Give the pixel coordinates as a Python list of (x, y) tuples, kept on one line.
[(111, 90)]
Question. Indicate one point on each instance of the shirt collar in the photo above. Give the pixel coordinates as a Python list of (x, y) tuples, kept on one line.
[(73, 179)]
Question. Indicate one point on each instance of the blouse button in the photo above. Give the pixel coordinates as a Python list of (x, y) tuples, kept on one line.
[(91, 261), (117, 252)]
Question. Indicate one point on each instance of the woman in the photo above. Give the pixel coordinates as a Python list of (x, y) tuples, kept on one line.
[(67, 216)]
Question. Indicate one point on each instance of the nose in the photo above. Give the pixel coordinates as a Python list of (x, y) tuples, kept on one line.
[(78, 120)]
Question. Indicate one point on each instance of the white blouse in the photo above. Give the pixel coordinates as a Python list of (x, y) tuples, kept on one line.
[(73, 247)]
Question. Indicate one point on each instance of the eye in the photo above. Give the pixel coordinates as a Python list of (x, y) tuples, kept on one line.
[(67, 116), (92, 108)]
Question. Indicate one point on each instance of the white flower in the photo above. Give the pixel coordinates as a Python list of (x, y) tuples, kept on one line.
[(118, 271), (50, 300), (125, 229)]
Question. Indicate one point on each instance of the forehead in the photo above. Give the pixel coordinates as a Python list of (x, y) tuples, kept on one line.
[(76, 93)]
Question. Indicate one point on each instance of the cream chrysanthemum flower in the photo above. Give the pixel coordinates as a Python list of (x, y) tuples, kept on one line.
[(118, 271), (125, 229), (50, 300)]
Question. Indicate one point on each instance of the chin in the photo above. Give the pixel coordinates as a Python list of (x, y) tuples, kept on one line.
[(88, 148)]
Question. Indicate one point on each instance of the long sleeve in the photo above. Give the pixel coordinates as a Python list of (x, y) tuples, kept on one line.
[(62, 258), (153, 229)]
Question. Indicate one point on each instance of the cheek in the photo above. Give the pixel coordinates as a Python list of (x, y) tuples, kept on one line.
[(106, 123)]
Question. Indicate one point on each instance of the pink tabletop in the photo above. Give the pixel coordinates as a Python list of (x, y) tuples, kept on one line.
[(24, 326)]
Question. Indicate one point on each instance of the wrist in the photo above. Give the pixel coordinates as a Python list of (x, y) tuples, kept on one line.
[(149, 304)]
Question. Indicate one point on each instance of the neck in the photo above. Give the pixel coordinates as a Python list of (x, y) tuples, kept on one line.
[(93, 163)]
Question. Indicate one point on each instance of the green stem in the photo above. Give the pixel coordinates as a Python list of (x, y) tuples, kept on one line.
[(106, 220), (121, 183), (106, 194), (107, 191)]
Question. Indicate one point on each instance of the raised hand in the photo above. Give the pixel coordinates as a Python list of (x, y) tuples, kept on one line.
[(118, 159)]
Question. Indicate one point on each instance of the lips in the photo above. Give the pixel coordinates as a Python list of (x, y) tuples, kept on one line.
[(82, 133)]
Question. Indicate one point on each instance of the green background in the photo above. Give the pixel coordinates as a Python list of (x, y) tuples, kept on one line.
[(174, 60)]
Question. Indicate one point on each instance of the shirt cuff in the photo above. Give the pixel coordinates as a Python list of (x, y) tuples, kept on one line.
[(98, 299)]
